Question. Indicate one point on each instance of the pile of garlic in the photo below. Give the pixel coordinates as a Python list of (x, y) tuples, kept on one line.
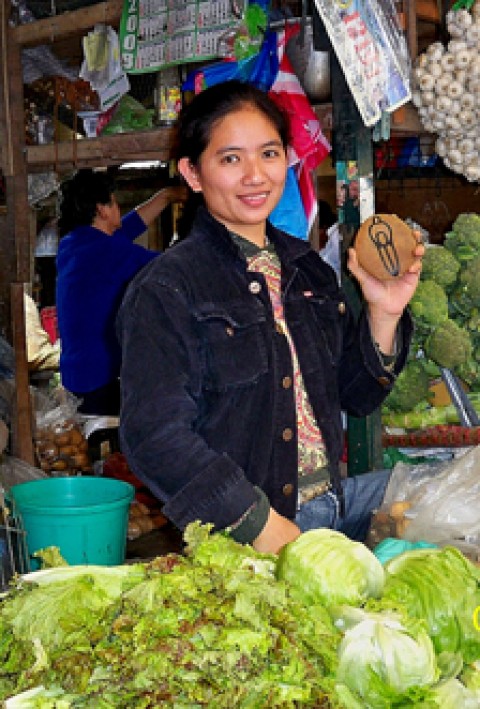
[(446, 91)]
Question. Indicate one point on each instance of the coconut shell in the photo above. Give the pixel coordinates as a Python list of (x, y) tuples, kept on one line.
[(385, 246)]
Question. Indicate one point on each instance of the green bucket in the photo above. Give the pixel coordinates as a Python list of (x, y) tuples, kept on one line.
[(85, 517)]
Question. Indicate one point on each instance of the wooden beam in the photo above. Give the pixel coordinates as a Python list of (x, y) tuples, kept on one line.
[(156, 144), (427, 10), (22, 424), (67, 24)]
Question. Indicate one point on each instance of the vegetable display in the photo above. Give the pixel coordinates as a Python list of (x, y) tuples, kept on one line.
[(216, 627), (446, 313), (446, 92)]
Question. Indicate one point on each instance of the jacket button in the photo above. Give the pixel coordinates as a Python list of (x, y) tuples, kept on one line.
[(230, 332), (287, 489), (279, 328), (287, 434), (287, 382), (342, 308), (384, 381), (254, 287)]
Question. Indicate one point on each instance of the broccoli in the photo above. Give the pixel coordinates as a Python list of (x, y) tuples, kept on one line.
[(470, 281), (464, 239), (410, 388), (449, 345), (440, 266), (429, 304)]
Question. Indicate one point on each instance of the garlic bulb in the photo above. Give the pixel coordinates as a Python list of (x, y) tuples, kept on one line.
[(446, 92)]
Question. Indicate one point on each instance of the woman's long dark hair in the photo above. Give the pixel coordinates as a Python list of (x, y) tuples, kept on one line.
[(79, 196), (198, 118)]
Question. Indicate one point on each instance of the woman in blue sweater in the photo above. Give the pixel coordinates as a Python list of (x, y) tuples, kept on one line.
[(96, 260)]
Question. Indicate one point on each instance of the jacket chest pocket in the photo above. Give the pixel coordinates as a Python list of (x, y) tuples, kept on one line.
[(233, 343), (320, 320)]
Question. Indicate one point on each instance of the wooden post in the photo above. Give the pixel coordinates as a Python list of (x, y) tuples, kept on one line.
[(22, 436), (353, 157), (16, 240)]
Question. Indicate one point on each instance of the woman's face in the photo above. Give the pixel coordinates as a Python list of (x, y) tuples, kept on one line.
[(241, 172)]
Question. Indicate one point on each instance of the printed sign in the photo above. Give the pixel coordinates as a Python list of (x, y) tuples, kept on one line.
[(371, 53), (155, 34)]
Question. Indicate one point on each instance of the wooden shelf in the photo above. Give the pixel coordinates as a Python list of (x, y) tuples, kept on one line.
[(155, 144), (67, 24), (159, 143)]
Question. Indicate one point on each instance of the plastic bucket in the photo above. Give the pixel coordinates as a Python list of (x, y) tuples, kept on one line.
[(85, 517)]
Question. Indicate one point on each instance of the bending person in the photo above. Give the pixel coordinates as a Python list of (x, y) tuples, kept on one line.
[(240, 351)]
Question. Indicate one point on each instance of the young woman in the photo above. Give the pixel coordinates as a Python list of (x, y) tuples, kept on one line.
[(240, 351)]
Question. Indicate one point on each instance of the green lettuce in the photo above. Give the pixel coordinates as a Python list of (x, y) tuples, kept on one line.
[(212, 628), (443, 587), (453, 694), (385, 660), (325, 566)]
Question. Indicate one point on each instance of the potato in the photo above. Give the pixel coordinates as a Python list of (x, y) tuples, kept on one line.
[(68, 450), (145, 523), (398, 509), (76, 437), (83, 446), (59, 464), (81, 460), (62, 439), (133, 530)]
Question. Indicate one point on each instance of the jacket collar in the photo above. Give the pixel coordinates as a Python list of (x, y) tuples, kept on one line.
[(289, 248)]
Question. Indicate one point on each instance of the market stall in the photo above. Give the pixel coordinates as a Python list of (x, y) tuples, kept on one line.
[(197, 619)]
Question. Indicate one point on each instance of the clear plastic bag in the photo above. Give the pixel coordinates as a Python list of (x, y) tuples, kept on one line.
[(60, 442), (437, 502)]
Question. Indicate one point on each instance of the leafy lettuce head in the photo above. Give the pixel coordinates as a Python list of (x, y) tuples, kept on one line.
[(324, 566), (385, 662)]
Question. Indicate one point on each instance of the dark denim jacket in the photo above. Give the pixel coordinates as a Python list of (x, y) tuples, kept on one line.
[(208, 407)]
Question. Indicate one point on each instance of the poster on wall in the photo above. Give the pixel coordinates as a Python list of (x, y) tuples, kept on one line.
[(372, 53), (156, 34)]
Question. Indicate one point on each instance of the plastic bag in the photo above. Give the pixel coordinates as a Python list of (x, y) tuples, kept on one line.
[(129, 115), (390, 548), (14, 471), (436, 502), (60, 442), (289, 213), (259, 69)]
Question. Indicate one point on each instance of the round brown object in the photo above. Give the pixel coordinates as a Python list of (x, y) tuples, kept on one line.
[(385, 246)]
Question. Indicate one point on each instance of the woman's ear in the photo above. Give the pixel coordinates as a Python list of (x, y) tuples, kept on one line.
[(189, 174)]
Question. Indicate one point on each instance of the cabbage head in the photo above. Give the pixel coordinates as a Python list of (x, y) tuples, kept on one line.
[(324, 566), (385, 661), (442, 587), (453, 694)]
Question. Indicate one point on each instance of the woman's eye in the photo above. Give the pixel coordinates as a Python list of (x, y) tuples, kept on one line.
[(228, 159), (271, 153)]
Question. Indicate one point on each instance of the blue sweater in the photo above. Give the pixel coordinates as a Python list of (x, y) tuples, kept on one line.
[(93, 270)]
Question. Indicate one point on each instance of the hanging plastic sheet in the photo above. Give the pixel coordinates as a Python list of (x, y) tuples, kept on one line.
[(309, 147), (260, 69)]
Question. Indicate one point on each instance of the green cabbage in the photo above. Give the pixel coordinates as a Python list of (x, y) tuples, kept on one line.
[(452, 694), (443, 587), (384, 660), (324, 566)]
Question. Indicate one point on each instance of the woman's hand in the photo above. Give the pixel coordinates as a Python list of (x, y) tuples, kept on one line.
[(277, 532), (386, 300)]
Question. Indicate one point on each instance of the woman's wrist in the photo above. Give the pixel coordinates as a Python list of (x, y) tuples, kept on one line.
[(383, 329)]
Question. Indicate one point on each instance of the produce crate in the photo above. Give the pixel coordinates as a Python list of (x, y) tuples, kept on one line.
[(444, 436)]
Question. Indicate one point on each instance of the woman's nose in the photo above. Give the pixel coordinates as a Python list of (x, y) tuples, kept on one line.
[(253, 173)]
